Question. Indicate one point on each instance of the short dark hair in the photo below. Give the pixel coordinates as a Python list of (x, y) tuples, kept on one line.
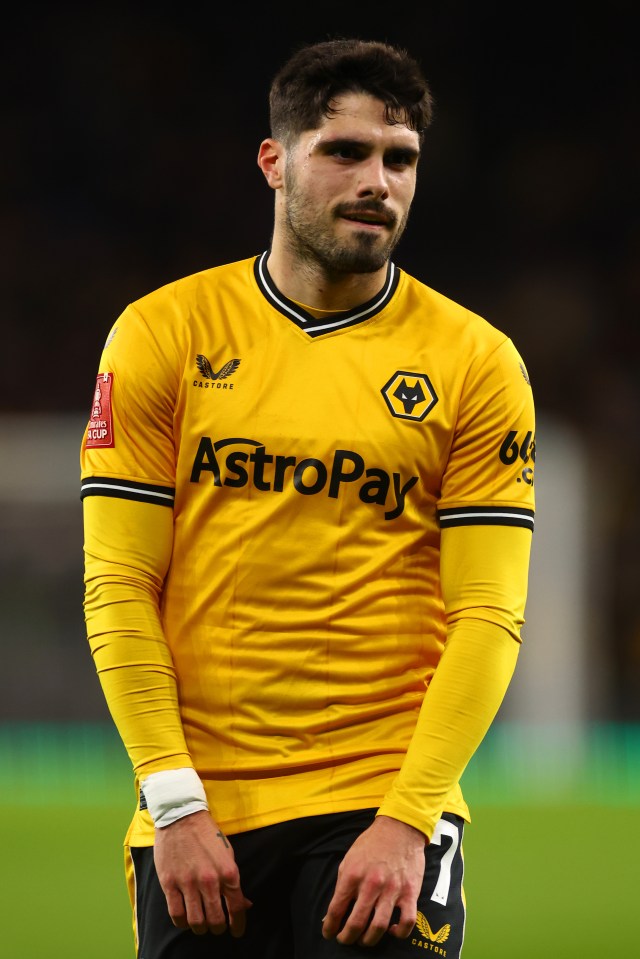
[(302, 91)]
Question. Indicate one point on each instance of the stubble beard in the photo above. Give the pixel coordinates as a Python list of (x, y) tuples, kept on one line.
[(314, 243)]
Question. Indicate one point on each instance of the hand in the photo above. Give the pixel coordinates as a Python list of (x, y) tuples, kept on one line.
[(384, 868), (197, 870)]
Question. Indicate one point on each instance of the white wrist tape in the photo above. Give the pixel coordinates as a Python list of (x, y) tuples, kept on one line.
[(173, 794)]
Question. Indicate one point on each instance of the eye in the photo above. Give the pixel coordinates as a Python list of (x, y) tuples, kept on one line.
[(400, 158), (345, 151)]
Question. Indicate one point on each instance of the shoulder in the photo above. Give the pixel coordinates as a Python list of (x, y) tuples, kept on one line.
[(179, 296), (158, 328), (461, 342), (453, 319)]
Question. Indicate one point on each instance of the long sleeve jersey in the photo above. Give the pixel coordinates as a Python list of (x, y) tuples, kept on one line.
[(307, 543)]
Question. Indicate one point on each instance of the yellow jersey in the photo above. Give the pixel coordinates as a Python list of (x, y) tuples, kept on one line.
[(302, 473)]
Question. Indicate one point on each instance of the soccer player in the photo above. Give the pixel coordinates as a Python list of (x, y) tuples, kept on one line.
[(307, 483)]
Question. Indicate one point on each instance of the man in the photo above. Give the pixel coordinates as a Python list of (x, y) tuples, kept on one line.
[(308, 512)]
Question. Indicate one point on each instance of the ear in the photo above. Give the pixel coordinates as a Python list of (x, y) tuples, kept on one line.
[(271, 162)]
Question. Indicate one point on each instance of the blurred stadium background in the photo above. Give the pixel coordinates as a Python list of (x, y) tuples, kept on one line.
[(129, 136)]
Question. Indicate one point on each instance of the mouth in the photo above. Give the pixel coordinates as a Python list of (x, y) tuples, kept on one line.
[(367, 221), (367, 217)]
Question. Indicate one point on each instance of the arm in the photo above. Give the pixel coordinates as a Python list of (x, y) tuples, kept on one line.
[(128, 470), (484, 575), (127, 550), (484, 579), (127, 553)]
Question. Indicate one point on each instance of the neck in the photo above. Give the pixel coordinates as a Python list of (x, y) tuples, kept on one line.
[(305, 281)]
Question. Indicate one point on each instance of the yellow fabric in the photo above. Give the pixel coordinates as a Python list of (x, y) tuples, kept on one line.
[(277, 626), (127, 552), (482, 570), (130, 878)]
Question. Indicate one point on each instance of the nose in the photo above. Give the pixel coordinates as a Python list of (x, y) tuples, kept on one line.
[(373, 179)]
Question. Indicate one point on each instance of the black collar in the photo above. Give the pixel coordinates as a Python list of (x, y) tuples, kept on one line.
[(337, 321)]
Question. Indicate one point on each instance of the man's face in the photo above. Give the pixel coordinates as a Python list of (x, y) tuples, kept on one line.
[(348, 187)]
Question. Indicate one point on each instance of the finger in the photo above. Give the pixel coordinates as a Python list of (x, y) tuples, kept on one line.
[(378, 924), (402, 931), (342, 899), (196, 918), (238, 920), (403, 928), (237, 905), (176, 908), (215, 918), (358, 921)]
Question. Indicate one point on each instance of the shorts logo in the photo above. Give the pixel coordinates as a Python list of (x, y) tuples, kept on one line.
[(427, 933), (409, 396), (100, 429)]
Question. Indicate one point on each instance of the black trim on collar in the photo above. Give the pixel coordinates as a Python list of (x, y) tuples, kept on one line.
[(338, 321)]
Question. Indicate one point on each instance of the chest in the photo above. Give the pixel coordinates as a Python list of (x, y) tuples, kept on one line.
[(267, 406)]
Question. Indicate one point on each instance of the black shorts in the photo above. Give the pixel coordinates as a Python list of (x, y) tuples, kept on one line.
[(289, 872)]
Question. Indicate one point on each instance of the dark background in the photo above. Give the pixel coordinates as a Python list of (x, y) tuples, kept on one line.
[(128, 159)]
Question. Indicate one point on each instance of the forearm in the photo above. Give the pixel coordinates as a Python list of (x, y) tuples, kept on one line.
[(484, 573), (133, 661), (460, 705), (136, 673)]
